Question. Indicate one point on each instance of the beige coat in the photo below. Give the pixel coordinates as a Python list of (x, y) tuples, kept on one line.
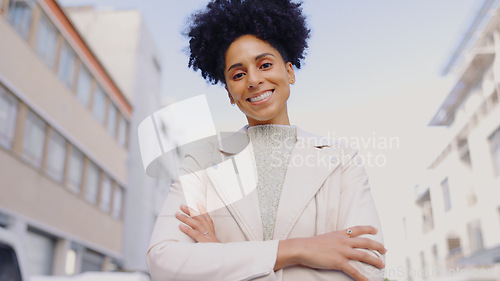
[(325, 189)]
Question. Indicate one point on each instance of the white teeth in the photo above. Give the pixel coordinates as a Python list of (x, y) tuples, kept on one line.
[(261, 97)]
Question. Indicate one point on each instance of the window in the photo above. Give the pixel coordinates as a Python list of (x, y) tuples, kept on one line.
[(99, 107), (84, 86), (435, 257), (19, 16), (423, 265), (409, 269), (494, 140), (475, 235), (112, 114), (46, 41), (8, 113), (75, 169), (56, 156), (117, 202), (122, 131), (92, 184), (463, 151), (428, 218), (91, 261), (446, 194), (40, 258), (66, 70), (105, 194), (34, 139)]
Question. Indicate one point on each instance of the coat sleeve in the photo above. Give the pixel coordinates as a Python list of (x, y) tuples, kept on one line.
[(173, 255), (357, 208)]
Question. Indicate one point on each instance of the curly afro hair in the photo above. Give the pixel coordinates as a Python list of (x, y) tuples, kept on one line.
[(211, 31)]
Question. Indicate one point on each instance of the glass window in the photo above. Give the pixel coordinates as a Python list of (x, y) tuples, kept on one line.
[(105, 194), (8, 114), (34, 139), (112, 114), (19, 15), (56, 156), (46, 41), (122, 131), (475, 235), (92, 184), (75, 169), (66, 70), (99, 107), (84, 86), (40, 258), (495, 150), (117, 203), (446, 194)]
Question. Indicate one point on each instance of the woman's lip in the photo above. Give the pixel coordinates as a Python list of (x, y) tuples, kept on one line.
[(258, 94)]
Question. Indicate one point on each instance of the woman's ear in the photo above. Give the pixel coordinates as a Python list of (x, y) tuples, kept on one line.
[(291, 73)]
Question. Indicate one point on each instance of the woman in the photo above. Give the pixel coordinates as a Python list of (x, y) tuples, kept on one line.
[(305, 218)]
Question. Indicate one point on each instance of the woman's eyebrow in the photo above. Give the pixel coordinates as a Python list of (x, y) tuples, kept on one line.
[(233, 66), (256, 58), (263, 55)]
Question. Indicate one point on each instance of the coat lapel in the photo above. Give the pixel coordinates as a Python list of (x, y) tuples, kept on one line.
[(235, 182), (309, 166)]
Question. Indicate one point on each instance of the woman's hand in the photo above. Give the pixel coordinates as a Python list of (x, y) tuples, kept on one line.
[(332, 250), (200, 225)]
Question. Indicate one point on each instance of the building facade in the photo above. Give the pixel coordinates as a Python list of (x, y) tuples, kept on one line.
[(64, 138), (127, 48), (454, 231)]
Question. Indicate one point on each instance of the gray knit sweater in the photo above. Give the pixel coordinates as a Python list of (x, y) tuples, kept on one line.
[(272, 145)]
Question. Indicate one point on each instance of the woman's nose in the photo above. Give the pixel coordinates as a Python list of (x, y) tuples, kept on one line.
[(253, 79)]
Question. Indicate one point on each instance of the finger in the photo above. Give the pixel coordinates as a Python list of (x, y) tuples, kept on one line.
[(351, 271), (188, 220), (201, 208), (367, 243), (365, 257), (190, 232), (189, 211), (362, 229)]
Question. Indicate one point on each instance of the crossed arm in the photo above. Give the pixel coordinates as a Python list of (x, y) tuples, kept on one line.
[(173, 256)]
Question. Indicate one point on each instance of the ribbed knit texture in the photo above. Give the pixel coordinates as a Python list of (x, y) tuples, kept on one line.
[(272, 145)]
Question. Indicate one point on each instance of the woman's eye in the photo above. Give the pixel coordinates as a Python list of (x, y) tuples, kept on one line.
[(237, 76), (266, 65)]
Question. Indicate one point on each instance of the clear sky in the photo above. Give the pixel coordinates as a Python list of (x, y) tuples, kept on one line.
[(372, 72)]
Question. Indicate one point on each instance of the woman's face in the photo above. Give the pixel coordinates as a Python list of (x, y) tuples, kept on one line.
[(258, 80)]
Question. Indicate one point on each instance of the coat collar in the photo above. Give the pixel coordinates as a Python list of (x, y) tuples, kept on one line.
[(312, 160), (234, 143)]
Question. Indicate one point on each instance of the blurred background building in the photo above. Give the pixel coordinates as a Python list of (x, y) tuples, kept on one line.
[(72, 92), (454, 231), (124, 43)]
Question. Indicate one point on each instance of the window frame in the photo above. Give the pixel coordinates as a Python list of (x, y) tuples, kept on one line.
[(48, 57), (7, 137)]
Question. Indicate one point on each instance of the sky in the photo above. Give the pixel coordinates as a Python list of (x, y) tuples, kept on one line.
[(372, 74)]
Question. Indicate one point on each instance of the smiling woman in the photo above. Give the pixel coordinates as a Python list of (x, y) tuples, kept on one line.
[(301, 218)]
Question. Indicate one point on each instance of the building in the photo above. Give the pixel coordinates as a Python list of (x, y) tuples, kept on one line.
[(64, 127), (454, 233), (123, 41)]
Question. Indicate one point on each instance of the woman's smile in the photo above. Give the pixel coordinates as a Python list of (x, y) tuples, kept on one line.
[(261, 97)]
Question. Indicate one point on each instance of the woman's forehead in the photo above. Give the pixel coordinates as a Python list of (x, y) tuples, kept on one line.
[(249, 47)]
